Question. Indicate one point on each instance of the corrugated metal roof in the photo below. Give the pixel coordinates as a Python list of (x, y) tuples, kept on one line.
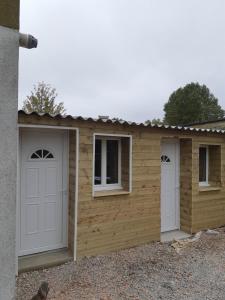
[(122, 122), (207, 122)]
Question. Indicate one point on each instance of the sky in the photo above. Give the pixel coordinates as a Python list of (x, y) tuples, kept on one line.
[(122, 58)]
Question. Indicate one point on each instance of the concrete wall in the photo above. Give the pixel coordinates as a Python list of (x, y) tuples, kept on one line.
[(8, 154)]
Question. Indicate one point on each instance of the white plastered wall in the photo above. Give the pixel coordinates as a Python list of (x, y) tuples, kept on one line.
[(9, 48)]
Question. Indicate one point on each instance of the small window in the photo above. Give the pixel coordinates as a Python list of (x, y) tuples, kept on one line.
[(203, 165), (41, 154), (210, 165), (34, 156), (165, 159), (98, 162), (111, 163), (107, 163)]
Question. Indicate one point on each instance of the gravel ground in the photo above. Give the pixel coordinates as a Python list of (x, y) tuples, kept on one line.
[(153, 271)]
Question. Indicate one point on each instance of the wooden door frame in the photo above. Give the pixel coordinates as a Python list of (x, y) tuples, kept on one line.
[(18, 205), (64, 176)]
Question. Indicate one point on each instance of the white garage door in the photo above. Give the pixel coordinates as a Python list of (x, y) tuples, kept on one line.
[(170, 208), (43, 201)]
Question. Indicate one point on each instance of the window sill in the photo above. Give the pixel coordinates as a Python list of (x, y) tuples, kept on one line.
[(98, 194), (209, 188)]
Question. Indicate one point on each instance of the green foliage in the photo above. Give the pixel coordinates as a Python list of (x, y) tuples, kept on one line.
[(190, 104), (42, 100), (155, 121)]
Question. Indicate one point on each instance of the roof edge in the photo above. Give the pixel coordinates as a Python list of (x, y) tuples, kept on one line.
[(122, 122), (207, 122)]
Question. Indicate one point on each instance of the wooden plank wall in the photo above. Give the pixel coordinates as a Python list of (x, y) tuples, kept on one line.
[(186, 184), (9, 13), (71, 188), (125, 163), (115, 222), (208, 207)]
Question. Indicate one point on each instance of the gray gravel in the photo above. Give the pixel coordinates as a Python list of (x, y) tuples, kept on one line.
[(153, 271)]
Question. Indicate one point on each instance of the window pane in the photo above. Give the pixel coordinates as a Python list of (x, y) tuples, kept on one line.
[(39, 153), (112, 161), (50, 155), (34, 155), (45, 152), (98, 161), (202, 164)]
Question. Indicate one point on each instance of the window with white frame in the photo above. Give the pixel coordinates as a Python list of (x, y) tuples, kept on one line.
[(203, 165), (112, 155), (210, 165), (107, 163)]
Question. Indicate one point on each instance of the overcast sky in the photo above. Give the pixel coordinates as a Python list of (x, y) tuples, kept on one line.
[(123, 58)]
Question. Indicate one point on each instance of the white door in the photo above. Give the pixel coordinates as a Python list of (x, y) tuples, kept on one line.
[(43, 201), (170, 208)]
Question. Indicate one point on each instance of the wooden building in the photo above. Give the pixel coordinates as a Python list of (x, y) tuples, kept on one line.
[(95, 186)]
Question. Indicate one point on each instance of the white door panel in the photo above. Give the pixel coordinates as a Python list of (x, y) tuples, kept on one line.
[(169, 186), (41, 209)]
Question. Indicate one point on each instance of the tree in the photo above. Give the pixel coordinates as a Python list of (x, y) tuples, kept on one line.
[(42, 100), (155, 121), (190, 104)]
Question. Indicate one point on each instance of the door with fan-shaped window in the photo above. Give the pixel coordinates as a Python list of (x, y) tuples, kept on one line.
[(43, 203), (170, 208)]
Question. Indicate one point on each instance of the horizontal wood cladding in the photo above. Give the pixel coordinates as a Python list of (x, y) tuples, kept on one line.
[(208, 207), (72, 178), (119, 221), (9, 13), (186, 184), (125, 163)]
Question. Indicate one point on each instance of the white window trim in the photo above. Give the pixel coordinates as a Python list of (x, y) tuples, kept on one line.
[(205, 183), (109, 187), (104, 186)]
